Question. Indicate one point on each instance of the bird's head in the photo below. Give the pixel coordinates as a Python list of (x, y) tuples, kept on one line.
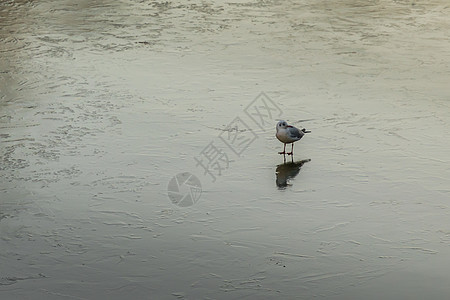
[(282, 124)]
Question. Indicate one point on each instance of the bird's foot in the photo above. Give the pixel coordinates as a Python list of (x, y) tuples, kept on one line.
[(282, 152), (290, 153)]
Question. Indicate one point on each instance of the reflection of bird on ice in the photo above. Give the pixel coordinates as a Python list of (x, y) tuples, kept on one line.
[(288, 134), (287, 171)]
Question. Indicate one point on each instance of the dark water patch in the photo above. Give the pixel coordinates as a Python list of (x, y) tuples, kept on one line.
[(15, 279)]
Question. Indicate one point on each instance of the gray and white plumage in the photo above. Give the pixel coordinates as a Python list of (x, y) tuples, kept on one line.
[(288, 134)]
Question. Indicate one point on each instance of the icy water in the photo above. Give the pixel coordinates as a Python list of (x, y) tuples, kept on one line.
[(138, 157)]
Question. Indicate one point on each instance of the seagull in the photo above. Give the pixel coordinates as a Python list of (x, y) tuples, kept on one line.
[(288, 134)]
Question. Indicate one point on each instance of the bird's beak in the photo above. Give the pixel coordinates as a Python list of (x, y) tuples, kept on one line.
[(306, 131)]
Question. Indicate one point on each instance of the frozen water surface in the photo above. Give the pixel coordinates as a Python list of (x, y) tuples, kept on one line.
[(104, 103)]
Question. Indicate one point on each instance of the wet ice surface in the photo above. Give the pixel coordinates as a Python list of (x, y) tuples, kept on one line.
[(103, 102)]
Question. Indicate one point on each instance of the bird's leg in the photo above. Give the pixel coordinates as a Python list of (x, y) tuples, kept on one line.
[(284, 150), (292, 150)]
